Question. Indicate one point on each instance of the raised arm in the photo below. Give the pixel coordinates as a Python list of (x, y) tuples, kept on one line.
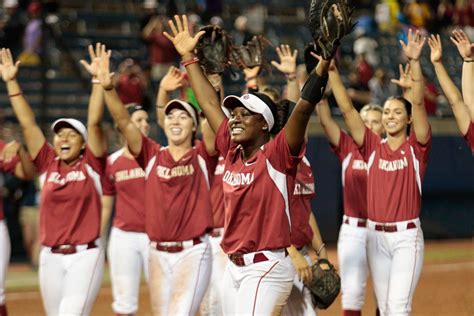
[(287, 66), (330, 127), (96, 139), (185, 43), (412, 50), (209, 137), (460, 110), (465, 48), (169, 83), (404, 82), (34, 137), (24, 169), (132, 134)]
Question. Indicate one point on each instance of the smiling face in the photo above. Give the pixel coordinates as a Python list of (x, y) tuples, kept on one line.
[(141, 121), (68, 144), (179, 127), (246, 126), (395, 118), (373, 120)]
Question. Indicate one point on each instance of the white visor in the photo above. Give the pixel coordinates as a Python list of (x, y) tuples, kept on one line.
[(252, 103), (178, 104), (71, 123)]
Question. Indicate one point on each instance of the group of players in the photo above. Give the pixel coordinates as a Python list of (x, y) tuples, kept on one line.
[(224, 225)]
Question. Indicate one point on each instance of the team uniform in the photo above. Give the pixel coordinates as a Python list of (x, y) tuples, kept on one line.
[(71, 261), (5, 246), (394, 239), (259, 276), (299, 302), (352, 241), (178, 213), (211, 304), (125, 180), (469, 137)]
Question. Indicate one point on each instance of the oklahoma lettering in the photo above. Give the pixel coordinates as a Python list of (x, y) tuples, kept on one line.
[(123, 175), (237, 178), (55, 177), (393, 165), (178, 171)]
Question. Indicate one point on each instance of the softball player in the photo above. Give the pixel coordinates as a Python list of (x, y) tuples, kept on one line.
[(396, 166), (463, 109), (177, 203), (71, 260), (257, 178), (9, 162), (125, 180)]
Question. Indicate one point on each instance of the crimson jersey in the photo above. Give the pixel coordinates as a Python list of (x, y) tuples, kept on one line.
[(178, 205), (125, 180), (303, 193), (394, 177), (5, 167), (70, 205), (354, 177), (256, 194), (469, 137), (217, 195)]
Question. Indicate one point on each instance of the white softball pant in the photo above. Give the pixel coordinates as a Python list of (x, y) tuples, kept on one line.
[(395, 262), (212, 303), (4, 258), (128, 254), (69, 284), (300, 303), (178, 281), (259, 288), (353, 266)]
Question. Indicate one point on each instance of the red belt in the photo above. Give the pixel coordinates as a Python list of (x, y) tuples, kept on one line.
[(391, 228), (70, 249), (177, 247), (360, 222), (238, 258)]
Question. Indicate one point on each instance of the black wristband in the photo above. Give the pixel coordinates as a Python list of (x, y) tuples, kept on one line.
[(314, 88)]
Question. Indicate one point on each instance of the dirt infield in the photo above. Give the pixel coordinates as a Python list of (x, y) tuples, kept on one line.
[(446, 286)]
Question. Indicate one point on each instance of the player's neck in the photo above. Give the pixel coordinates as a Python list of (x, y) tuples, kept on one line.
[(178, 151), (395, 141), (250, 149)]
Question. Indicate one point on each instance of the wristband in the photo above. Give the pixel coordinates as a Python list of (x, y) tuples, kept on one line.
[(314, 88), (469, 60), (318, 252), (185, 63), (15, 94), (109, 89), (291, 76), (250, 78), (95, 80)]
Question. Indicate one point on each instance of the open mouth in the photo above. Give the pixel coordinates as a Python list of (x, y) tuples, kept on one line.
[(391, 124), (176, 130), (236, 131), (65, 149)]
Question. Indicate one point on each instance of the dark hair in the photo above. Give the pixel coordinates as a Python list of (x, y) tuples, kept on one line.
[(283, 113)]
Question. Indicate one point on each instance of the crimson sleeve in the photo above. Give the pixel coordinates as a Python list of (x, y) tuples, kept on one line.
[(44, 158), (97, 163), (421, 151), (370, 143), (223, 142), (345, 146), (469, 137), (149, 148), (278, 153), (108, 181)]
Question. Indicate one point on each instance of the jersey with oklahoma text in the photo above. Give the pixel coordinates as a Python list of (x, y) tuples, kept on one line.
[(217, 195), (178, 205), (354, 177), (125, 180), (257, 194), (5, 167), (394, 177), (303, 193), (70, 206), (469, 137)]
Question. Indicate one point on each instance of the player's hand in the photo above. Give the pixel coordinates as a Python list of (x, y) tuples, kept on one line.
[(332, 64), (104, 75), (461, 41), (10, 151), (93, 66), (182, 39), (251, 73), (302, 267), (414, 46), (8, 67), (287, 64), (404, 81), (434, 42), (172, 80)]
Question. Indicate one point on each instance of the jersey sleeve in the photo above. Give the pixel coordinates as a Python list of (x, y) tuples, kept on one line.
[(223, 142), (469, 137), (278, 153), (8, 166), (97, 163), (45, 156), (211, 160), (421, 151), (371, 140), (344, 147), (149, 148), (108, 181)]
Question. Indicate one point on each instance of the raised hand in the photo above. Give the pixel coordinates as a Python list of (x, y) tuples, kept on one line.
[(10, 151), (251, 73), (332, 64), (436, 49), (8, 68), (172, 80), (95, 56), (182, 39), (103, 70), (404, 81), (461, 41), (287, 64), (414, 46)]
